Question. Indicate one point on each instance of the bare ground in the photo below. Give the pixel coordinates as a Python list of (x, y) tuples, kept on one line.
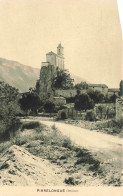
[(20, 168), (43, 156)]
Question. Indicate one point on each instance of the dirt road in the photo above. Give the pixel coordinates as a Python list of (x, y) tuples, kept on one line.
[(107, 145)]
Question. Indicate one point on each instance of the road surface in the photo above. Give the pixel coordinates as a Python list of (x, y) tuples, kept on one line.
[(107, 145)]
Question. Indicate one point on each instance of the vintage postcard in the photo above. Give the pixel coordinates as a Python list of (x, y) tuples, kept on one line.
[(61, 98)]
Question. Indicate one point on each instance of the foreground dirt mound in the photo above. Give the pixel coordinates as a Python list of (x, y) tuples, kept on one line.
[(19, 167)]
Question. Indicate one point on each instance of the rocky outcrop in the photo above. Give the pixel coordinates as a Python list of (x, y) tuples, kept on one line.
[(44, 84)]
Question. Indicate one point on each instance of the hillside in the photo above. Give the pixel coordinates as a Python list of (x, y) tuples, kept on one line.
[(22, 76), (78, 79), (18, 75)]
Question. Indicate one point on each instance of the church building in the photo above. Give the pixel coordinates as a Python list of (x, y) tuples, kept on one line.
[(55, 59)]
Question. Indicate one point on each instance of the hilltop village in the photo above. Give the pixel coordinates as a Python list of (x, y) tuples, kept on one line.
[(74, 149), (48, 71), (54, 62)]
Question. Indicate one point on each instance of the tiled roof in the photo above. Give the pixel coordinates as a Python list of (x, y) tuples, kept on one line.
[(97, 85)]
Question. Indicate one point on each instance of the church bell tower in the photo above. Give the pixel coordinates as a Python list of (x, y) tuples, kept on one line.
[(60, 50)]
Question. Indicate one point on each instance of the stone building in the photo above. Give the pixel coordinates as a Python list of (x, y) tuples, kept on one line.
[(113, 91), (98, 87), (48, 72), (55, 59)]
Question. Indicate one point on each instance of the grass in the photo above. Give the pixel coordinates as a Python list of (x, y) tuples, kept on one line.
[(49, 143), (30, 125), (52, 145), (5, 145), (71, 181), (110, 126)]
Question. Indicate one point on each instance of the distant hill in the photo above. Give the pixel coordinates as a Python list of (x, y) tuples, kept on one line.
[(18, 75), (78, 79), (22, 76)]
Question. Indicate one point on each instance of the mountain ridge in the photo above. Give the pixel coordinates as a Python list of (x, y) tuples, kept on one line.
[(18, 75), (23, 76)]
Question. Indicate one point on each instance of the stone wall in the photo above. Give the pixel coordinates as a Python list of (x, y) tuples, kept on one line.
[(119, 108), (51, 58), (59, 101), (103, 90), (67, 93), (71, 113)]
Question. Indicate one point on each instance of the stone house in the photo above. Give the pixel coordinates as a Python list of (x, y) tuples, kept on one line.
[(98, 87), (113, 91)]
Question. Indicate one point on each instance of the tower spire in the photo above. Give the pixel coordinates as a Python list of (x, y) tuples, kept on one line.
[(60, 50)]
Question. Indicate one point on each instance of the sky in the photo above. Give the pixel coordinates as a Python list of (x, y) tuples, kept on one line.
[(89, 31)]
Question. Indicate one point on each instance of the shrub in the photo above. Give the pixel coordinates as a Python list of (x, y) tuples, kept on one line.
[(96, 96), (81, 152), (71, 181), (54, 127), (31, 125), (30, 101), (90, 116), (83, 102), (49, 107), (4, 145), (67, 143)]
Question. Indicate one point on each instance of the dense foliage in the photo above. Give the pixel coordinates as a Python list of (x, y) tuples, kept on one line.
[(81, 85), (62, 80), (96, 96), (83, 102), (9, 109), (49, 107), (30, 102)]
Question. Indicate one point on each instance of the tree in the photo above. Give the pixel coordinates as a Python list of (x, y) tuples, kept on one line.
[(81, 85), (96, 96), (62, 80), (83, 102), (9, 109), (106, 99), (113, 98), (49, 107), (30, 101)]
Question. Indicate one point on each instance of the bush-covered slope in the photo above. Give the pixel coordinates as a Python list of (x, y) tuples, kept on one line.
[(18, 75)]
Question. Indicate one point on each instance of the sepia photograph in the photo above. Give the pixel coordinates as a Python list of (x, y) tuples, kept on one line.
[(61, 98)]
